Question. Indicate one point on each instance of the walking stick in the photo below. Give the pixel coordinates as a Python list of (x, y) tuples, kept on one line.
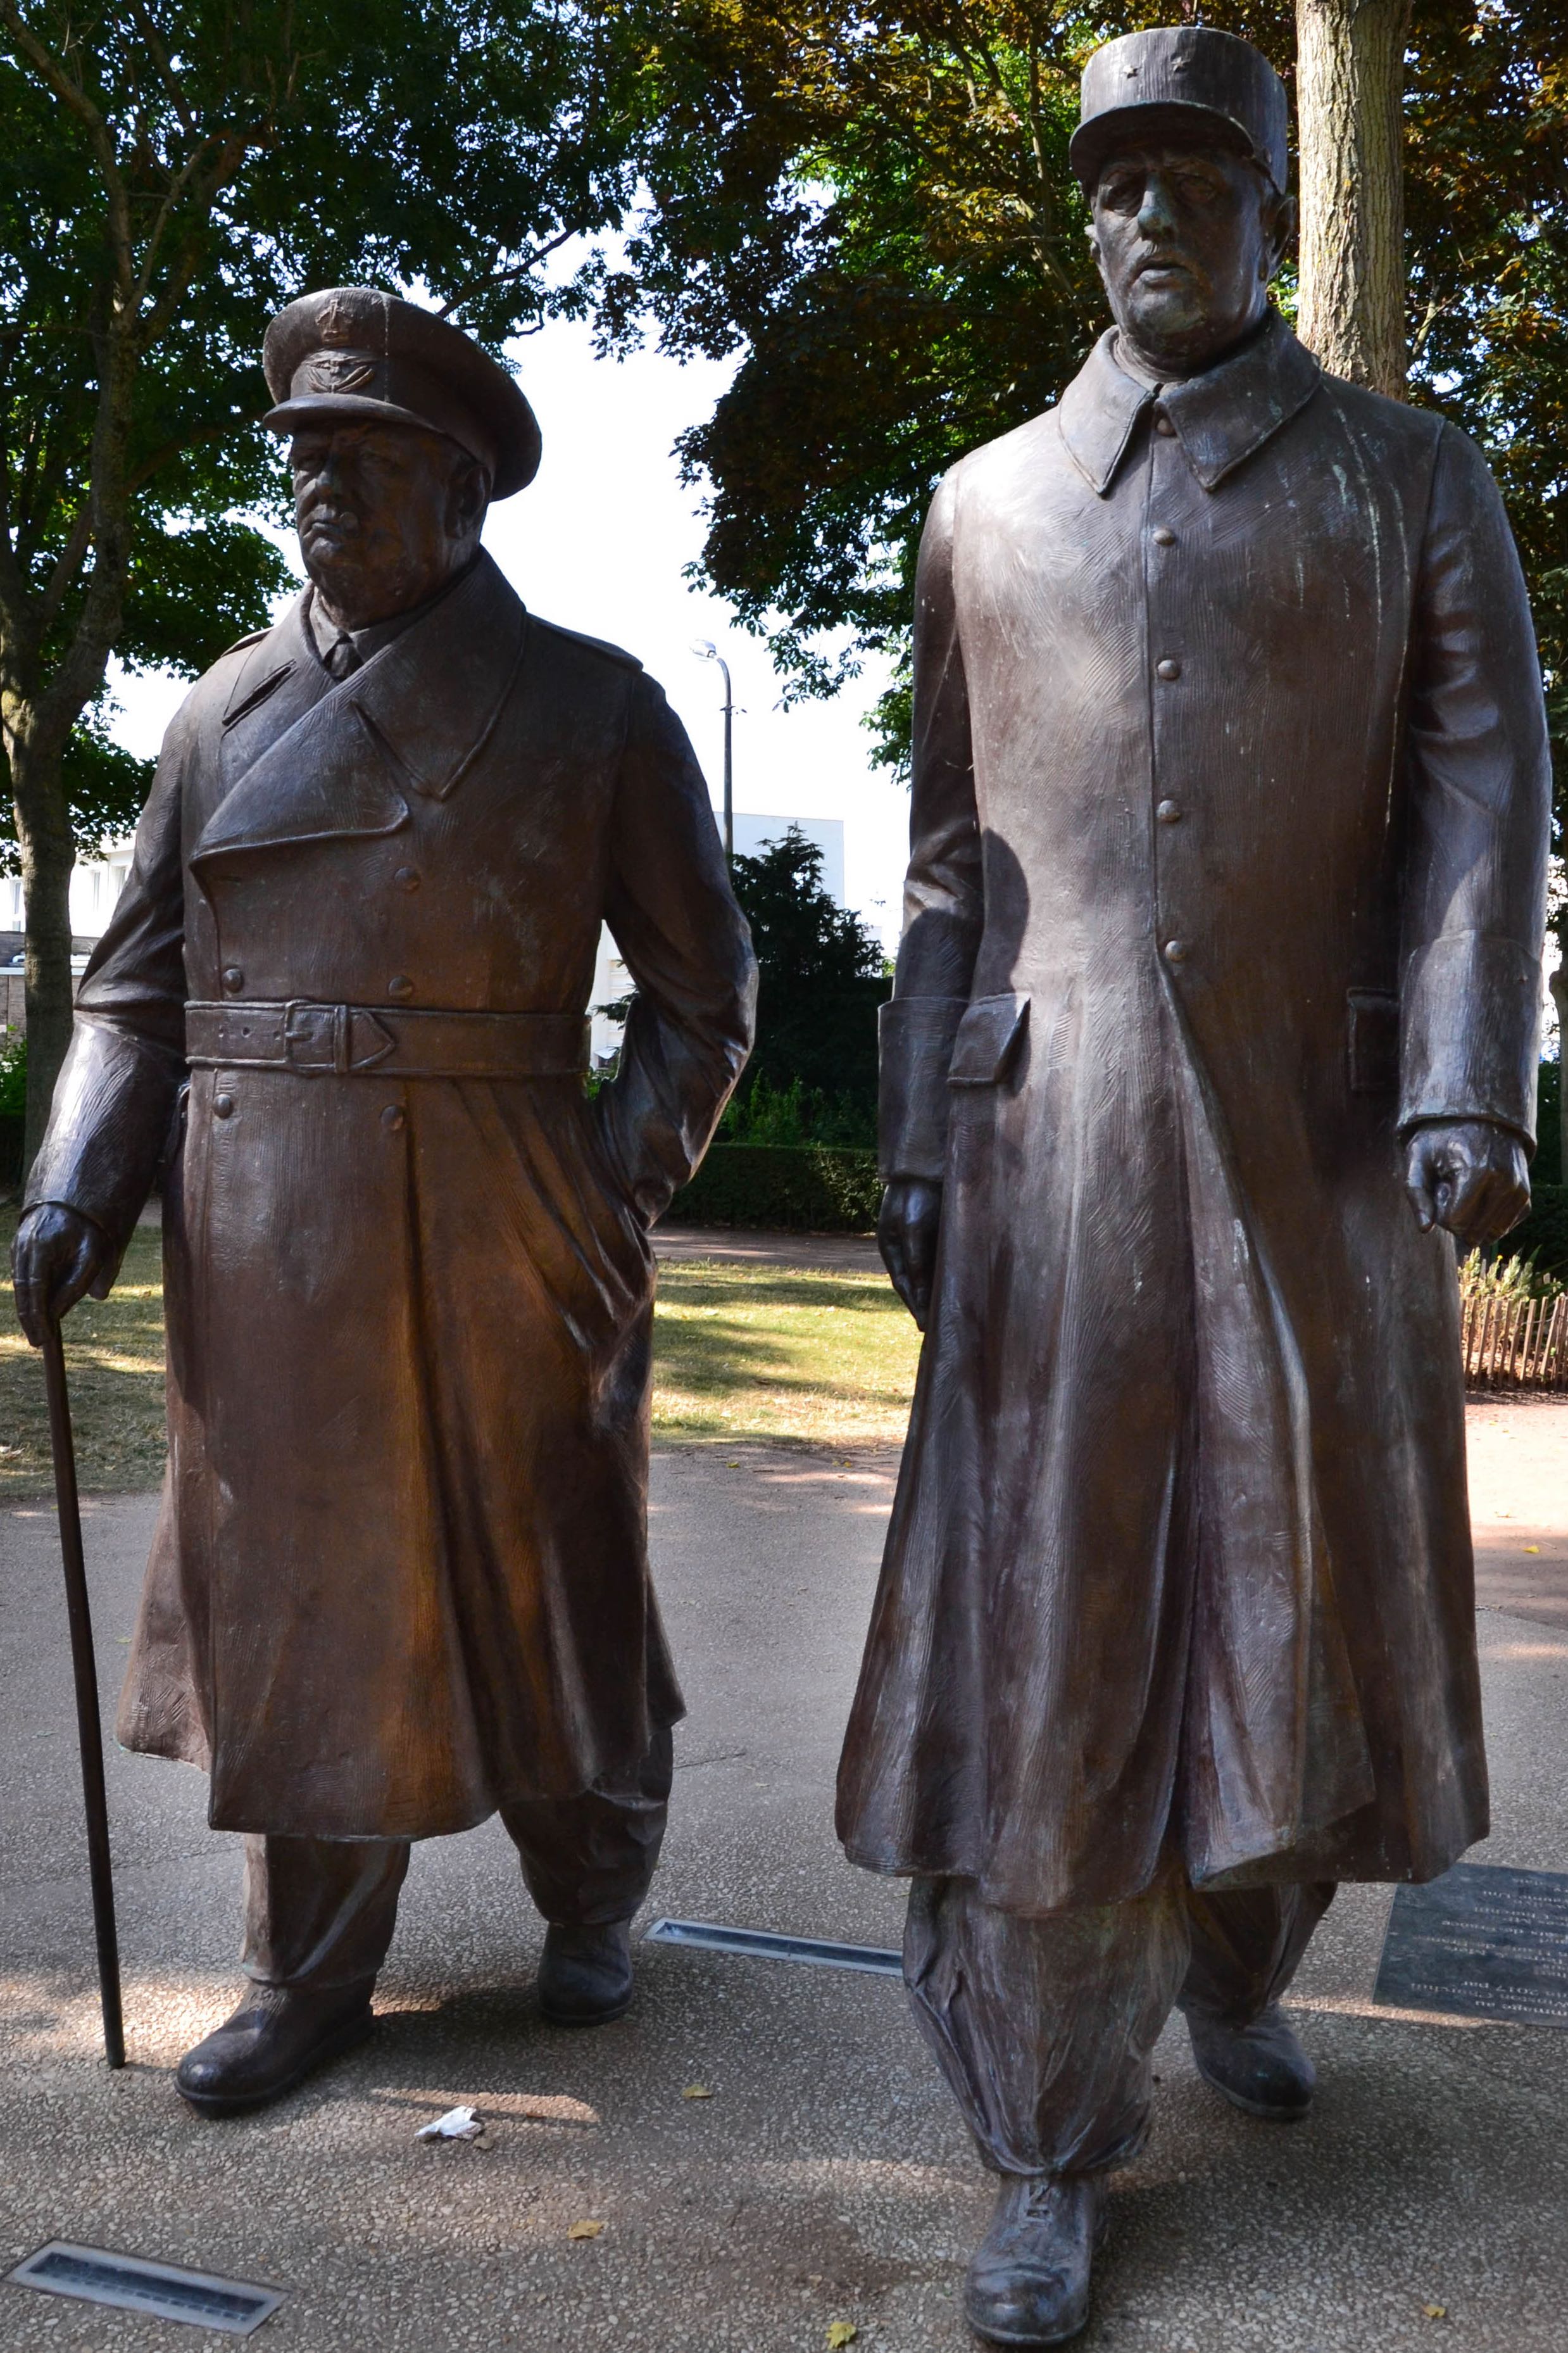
[(90, 1736)]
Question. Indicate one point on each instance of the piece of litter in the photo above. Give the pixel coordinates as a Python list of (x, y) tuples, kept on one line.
[(584, 2230), (841, 2332), (697, 2092), (1532, 1548), (1435, 2311), (457, 2124)]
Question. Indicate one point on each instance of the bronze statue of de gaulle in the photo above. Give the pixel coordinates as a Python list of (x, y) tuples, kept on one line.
[(400, 1577), (1217, 1002)]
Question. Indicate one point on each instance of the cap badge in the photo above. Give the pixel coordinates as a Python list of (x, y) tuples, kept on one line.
[(332, 321), (338, 372)]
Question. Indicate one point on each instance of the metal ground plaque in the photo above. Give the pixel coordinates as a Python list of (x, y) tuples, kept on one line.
[(1481, 1942)]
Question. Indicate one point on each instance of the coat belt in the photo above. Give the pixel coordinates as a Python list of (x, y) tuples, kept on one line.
[(397, 1043)]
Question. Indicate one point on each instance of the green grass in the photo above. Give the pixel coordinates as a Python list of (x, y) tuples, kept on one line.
[(739, 1354), (742, 1353)]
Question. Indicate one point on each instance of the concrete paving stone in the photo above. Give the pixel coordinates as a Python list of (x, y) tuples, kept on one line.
[(828, 2177)]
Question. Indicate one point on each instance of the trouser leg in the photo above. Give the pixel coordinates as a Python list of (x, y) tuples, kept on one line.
[(1246, 1945), (319, 1912), (589, 1861), (1045, 2028)]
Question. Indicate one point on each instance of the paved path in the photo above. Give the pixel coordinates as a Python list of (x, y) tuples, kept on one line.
[(1518, 1504), (828, 2177), (816, 1253)]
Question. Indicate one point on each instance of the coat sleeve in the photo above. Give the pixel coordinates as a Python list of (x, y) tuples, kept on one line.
[(1474, 907), (687, 946), (114, 1100), (944, 904)]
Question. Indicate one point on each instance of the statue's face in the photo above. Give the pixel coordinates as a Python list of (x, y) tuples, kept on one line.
[(1187, 238), (386, 514)]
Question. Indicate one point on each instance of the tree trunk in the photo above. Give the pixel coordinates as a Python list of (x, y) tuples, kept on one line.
[(48, 854), (1559, 987), (1350, 85)]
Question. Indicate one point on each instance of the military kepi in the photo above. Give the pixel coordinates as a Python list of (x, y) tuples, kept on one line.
[(353, 351), (1137, 87)]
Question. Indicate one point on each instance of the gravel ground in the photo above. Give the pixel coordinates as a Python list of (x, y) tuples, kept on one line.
[(827, 2177)]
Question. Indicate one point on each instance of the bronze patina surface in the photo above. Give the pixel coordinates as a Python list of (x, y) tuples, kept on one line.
[(400, 1578), (1217, 1000)]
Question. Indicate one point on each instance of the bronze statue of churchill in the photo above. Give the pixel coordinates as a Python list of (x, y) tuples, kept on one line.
[(400, 1577), (1217, 1001)]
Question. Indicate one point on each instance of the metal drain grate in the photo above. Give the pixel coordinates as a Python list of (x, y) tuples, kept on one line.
[(164, 2290), (761, 1944)]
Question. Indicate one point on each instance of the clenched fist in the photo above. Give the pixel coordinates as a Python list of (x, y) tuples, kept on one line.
[(1468, 1176)]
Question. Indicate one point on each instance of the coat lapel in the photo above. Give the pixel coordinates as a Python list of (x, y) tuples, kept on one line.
[(411, 721)]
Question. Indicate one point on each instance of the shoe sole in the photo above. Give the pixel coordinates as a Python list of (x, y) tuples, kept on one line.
[(238, 2103), (1062, 2336), (1263, 2110), (578, 2018)]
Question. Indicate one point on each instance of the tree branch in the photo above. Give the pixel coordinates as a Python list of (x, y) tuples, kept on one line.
[(504, 277), (53, 73)]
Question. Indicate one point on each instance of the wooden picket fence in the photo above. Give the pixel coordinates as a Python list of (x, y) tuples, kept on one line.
[(1514, 1343)]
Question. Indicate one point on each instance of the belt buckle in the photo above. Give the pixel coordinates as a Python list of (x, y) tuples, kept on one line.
[(325, 1027)]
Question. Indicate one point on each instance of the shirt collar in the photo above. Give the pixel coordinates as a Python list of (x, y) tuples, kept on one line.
[(376, 634), (1220, 416)]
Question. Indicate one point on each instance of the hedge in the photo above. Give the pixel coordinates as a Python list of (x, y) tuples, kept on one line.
[(12, 1124), (1543, 1234), (799, 1187)]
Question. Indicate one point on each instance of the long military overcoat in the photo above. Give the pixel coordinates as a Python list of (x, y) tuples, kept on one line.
[(1229, 844), (400, 1575)]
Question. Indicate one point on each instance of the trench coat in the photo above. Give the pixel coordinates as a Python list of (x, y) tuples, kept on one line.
[(1229, 844), (400, 1575)]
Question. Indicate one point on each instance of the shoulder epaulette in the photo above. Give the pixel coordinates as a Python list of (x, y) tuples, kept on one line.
[(240, 644), (594, 645)]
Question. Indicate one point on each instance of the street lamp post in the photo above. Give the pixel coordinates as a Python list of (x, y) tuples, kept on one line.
[(705, 651)]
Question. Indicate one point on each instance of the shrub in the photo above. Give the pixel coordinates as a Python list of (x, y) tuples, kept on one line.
[(802, 1188)]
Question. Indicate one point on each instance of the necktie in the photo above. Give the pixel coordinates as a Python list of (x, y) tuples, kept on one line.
[(342, 655)]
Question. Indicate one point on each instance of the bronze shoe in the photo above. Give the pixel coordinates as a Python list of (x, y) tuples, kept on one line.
[(585, 1974), (1028, 2284), (277, 2037), (1261, 2068)]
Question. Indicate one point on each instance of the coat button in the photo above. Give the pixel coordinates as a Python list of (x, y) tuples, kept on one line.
[(392, 1118), (1176, 951), (1164, 538), (400, 985), (1168, 669), (407, 879), (1163, 424), (1169, 812), (232, 979), (223, 1106)]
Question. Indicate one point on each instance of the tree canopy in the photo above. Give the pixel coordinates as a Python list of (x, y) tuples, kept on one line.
[(822, 975), (874, 207)]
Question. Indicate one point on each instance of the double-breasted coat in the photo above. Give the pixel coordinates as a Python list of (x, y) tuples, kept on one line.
[(1228, 837), (400, 1575)]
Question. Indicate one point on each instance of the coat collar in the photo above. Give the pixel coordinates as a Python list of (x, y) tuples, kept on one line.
[(412, 720), (1220, 417)]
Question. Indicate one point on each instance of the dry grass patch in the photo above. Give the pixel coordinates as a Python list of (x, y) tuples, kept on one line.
[(738, 1353), (114, 1362)]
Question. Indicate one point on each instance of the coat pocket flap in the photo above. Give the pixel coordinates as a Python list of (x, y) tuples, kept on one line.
[(1374, 1042), (987, 1040)]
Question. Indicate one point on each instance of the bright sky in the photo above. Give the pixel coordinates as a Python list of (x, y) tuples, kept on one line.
[(599, 542)]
